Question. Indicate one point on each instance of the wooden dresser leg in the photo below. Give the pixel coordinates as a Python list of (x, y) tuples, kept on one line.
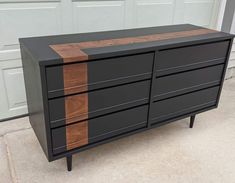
[(69, 162), (192, 118)]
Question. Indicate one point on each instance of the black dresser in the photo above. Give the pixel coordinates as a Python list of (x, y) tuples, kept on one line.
[(88, 89)]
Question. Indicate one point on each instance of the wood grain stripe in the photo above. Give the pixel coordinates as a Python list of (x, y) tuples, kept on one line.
[(76, 106), (75, 78), (72, 52), (77, 135)]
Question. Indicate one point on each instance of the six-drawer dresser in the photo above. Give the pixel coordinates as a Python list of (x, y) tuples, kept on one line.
[(91, 88)]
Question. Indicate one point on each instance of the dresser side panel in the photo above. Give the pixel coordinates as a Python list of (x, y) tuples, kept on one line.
[(34, 94)]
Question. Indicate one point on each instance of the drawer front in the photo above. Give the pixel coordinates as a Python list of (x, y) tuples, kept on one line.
[(80, 77), (184, 104), (70, 109), (97, 129), (191, 57), (188, 81)]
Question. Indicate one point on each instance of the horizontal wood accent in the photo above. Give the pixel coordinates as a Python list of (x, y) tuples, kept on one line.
[(76, 135), (75, 78), (76, 108), (71, 52)]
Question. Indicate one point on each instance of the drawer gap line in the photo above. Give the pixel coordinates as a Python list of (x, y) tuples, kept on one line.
[(185, 93)]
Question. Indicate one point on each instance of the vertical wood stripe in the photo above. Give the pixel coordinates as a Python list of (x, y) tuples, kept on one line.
[(72, 52), (75, 78), (76, 106), (69, 52), (77, 135)]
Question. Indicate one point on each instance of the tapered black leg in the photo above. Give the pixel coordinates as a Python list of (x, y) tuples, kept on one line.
[(69, 162), (192, 118)]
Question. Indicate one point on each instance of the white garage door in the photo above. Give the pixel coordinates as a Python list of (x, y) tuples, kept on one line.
[(22, 18)]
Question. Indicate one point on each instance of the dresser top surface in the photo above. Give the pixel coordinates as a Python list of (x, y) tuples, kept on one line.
[(70, 48)]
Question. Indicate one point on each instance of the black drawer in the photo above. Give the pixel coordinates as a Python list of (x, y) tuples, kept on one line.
[(93, 130), (78, 107), (175, 84), (184, 104), (80, 77), (190, 57)]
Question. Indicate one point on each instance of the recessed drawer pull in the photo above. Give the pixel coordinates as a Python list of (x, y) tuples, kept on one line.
[(176, 106), (81, 77), (70, 109), (93, 130), (191, 57), (188, 81)]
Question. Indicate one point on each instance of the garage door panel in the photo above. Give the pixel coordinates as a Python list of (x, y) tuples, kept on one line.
[(198, 12), (13, 99), (154, 12), (98, 16), (27, 19)]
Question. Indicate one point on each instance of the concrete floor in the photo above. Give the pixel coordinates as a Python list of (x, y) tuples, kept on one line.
[(170, 154)]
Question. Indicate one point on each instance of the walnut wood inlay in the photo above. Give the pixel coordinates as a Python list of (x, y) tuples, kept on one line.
[(76, 108), (77, 135), (69, 52), (75, 78), (141, 39), (72, 52)]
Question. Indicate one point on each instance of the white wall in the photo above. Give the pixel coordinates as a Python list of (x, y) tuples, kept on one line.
[(228, 27), (232, 56)]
